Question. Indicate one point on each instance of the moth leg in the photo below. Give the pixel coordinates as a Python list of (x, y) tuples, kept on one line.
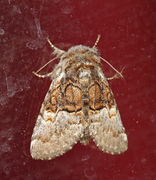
[(42, 76), (117, 75)]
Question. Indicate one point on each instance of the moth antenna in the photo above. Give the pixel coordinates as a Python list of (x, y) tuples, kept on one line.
[(112, 67), (56, 50), (97, 40)]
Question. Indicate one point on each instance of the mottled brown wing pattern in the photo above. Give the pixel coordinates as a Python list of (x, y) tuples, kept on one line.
[(59, 125), (106, 127)]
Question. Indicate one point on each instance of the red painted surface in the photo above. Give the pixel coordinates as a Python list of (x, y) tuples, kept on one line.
[(128, 37)]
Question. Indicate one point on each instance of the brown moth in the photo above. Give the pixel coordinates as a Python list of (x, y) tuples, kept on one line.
[(79, 105)]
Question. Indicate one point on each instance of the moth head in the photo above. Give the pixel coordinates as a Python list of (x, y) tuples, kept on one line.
[(82, 53)]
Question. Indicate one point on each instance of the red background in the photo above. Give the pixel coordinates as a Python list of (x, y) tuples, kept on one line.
[(128, 37)]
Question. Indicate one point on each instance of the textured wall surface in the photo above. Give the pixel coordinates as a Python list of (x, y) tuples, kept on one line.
[(128, 37)]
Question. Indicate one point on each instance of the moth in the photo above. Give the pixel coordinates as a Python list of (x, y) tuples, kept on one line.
[(78, 106)]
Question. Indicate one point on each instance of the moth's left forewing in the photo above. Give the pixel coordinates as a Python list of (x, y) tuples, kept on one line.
[(56, 129), (106, 127)]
